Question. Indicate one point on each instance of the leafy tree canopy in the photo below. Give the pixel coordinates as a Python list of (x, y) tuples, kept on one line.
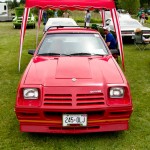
[(131, 6)]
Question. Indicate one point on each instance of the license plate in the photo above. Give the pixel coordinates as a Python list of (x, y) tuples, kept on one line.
[(74, 119)]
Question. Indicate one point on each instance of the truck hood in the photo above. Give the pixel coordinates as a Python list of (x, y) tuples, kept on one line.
[(63, 71)]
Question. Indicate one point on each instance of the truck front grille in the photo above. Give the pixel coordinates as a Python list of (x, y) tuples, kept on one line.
[(74, 100), (58, 100), (90, 99)]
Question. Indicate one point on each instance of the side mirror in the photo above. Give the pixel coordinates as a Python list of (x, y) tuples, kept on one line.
[(31, 52), (115, 52)]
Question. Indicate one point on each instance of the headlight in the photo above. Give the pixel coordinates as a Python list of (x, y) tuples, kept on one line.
[(30, 93), (116, 92)]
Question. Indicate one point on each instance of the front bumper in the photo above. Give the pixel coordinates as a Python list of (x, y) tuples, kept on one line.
[(29, 24), (133, 34), (101, 127), (48, 121)]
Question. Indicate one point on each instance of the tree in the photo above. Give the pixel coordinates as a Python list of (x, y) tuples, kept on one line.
[(117, 4), (145, 3), (130, 5), (15, 4), (22, 1)]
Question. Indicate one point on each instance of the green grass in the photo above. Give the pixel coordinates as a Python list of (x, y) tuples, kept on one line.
[(137, 72)]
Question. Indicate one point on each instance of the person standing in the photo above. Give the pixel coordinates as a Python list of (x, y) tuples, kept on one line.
[(44, 17), (110, 39), (55, 14), (87, 19), (142, 21), (65, 14)]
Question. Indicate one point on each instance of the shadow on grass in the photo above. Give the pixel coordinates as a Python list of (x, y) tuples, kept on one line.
[(88, 136)]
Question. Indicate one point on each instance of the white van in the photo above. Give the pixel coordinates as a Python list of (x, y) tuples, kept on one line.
[(4, 13)]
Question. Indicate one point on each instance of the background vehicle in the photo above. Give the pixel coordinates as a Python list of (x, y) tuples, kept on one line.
[(121, 11), (17, 21), (4, 12), (59, 22), (148, 11), (73, 85), (128, 26)]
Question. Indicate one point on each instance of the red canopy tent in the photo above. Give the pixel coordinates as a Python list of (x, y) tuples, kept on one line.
[(72, 5)]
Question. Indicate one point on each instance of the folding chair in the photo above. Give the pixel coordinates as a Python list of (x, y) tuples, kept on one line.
[(139, 42)]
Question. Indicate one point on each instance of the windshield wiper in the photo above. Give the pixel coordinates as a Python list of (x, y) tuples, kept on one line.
[(74, 54), (98, 54), (49, 54)]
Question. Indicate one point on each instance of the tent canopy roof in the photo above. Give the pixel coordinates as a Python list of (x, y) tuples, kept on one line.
[(71, 4)]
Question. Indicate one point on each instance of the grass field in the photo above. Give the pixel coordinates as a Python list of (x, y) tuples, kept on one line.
[(137, 65)]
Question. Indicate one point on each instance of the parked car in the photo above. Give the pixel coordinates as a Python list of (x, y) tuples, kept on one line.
[(128, 26), (121, 11), (53, 22), (148, 11), (17, 21), (73, 85)]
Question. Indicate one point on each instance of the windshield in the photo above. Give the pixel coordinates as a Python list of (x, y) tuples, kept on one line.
[(72, 44), (130, 23)]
